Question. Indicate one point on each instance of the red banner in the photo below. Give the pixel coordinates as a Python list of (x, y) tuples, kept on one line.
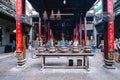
[(110, 26), (18, 27), (45, 32), (80, 32), (51, 35), (85, 31), (48, 32), (39, 30), (76, 31)]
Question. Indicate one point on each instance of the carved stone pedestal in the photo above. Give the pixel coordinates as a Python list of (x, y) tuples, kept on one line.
[(109, 64), (20, 60)]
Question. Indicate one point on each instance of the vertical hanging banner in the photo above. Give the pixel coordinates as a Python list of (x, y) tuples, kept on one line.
[(51, 35), (76, 31), (80, 32), (45, 31), (48, 32), (19, 11), (110, 26), (85, 32), (80, 27), (39, 30)]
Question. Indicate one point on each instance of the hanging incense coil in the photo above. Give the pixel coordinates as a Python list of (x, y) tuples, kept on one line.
[(45, 16), (52, 16), (58, 17)]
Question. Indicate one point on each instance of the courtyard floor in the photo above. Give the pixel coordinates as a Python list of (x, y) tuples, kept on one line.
[(32, 69)]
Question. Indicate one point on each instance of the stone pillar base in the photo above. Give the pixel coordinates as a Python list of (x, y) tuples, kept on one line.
[(109, 64), (21, 62)]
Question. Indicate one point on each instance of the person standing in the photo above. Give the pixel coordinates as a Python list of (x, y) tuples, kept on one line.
[(93, 45), (48, 43), (13, 45), (116, 50), (66, 43), (30, 46), (118, 47), (62, 43), (101, 46)]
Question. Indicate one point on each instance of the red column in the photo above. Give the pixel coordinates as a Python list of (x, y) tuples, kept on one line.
[(76, 32), (39, 30), (110, 27), (20, 9), (85, 32), (109, 36), (110, 33), (80, 27)]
